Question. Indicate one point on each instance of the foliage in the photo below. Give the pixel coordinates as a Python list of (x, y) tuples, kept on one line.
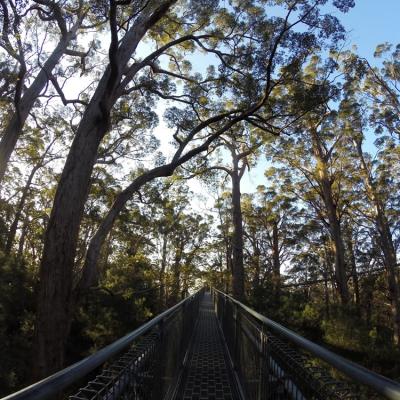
[(144, 96)]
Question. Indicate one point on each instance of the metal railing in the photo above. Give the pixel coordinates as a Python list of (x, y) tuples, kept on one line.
[(144, 364), (272, 362)]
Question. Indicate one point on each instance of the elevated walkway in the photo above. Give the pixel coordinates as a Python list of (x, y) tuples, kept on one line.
[(208, 373), (210, 346)]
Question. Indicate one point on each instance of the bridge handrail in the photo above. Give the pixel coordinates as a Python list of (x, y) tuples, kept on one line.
[(57, 382), (385, 386)]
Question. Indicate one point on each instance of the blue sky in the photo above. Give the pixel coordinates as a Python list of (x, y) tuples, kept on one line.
[(372, 22), (368, 24)]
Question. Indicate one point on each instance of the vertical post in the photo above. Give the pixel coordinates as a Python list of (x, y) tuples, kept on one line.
[(223, 314), (157, 390), (184, 333), (263, 372), (236, 335), (218, 307)]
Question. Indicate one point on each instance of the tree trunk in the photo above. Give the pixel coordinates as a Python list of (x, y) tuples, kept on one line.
[(97, 241), (13, 229), (176, 272), (390, 261), (162, 301), (55, 297), (385, 242), (21, 242), (353, 269), (276, 263), (228, 255), (334, 222), (237, 237), (256, 264), (326, 292), (368, 298), (56, 269)]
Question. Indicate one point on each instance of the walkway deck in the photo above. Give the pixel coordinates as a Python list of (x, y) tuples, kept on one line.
[(208, 375)]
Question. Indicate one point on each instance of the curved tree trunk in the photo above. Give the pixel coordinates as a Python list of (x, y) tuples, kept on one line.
[(96, 242)]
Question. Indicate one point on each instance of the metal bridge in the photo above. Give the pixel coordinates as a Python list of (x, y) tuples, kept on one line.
[(210, 346)]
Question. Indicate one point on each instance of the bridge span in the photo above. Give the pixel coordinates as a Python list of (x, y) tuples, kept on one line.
[(210, 346)]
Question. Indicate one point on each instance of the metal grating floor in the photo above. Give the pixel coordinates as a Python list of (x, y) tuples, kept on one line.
[(208, 375)]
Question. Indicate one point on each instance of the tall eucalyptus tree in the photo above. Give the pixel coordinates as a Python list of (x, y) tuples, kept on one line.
[(256, 55)]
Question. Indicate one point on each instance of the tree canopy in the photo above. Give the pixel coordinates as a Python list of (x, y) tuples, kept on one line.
[(112, 110)]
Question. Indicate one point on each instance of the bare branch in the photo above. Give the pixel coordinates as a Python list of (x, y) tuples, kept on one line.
[(56, 86)]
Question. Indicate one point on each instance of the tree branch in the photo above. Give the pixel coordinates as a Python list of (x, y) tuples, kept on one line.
[(61, 93)]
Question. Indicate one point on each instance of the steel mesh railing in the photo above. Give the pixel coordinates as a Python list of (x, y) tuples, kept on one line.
[(271, 362), (146, 364)]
